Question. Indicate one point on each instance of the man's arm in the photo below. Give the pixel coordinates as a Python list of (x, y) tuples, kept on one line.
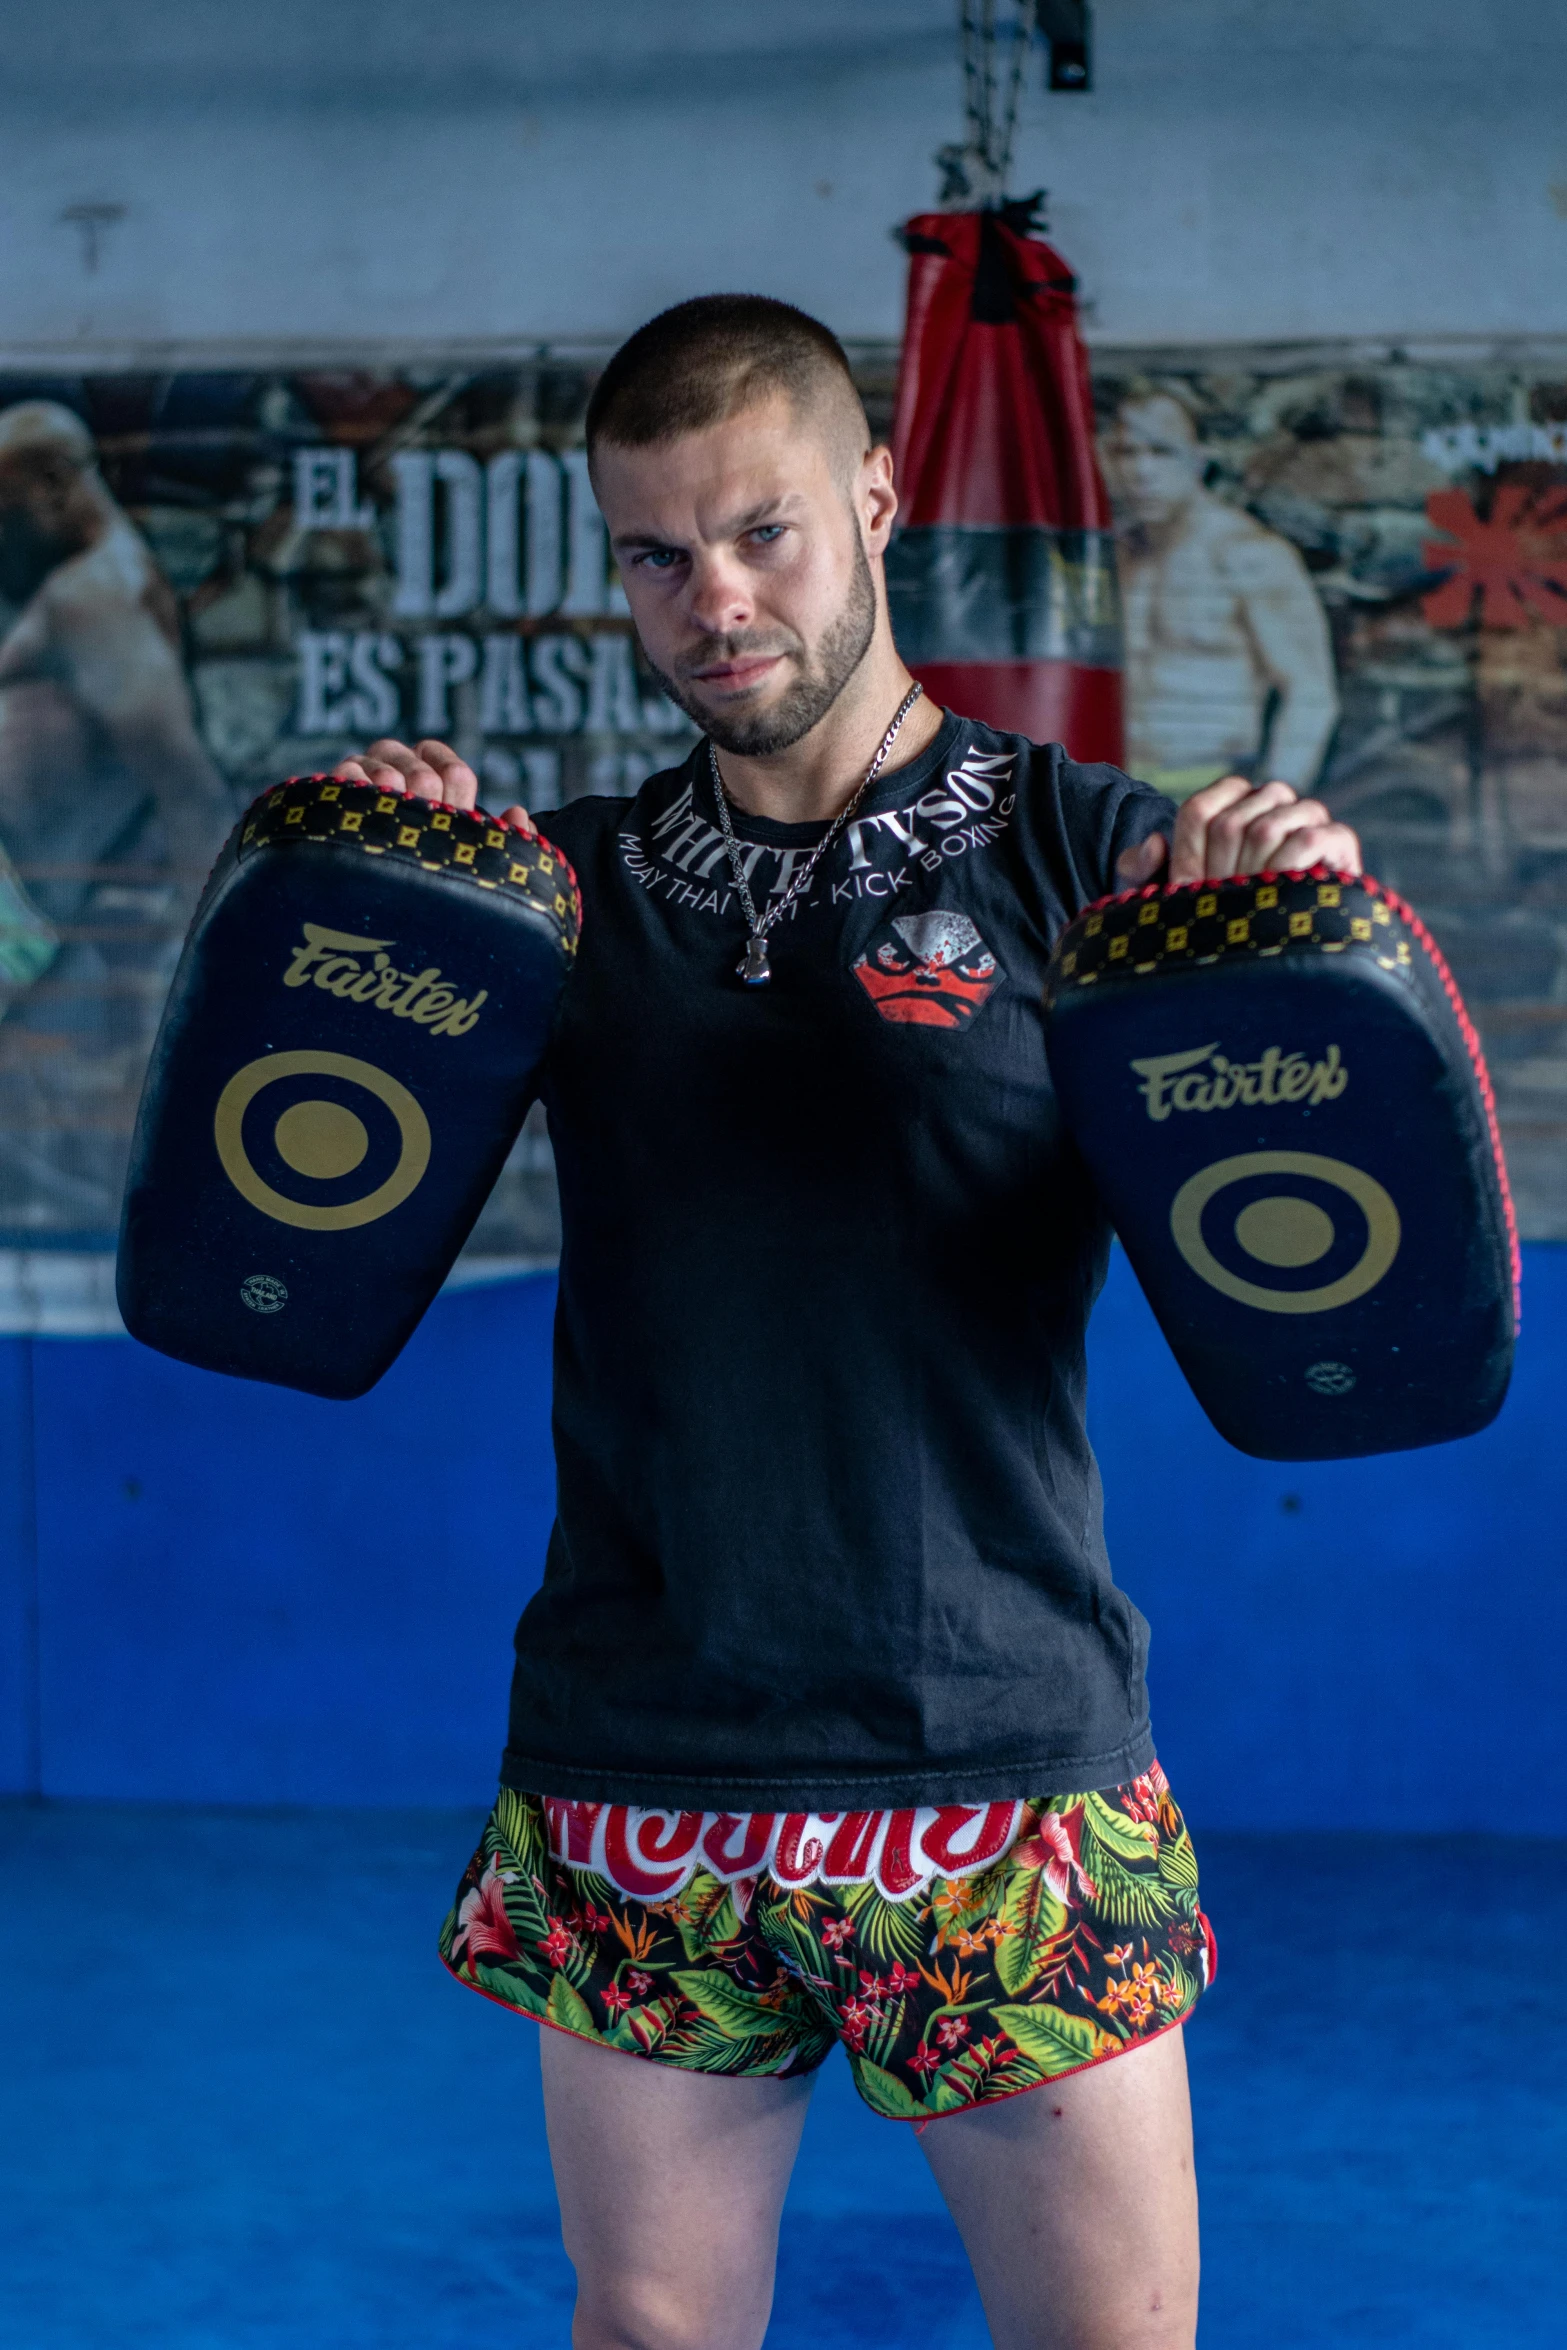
[(1280, 611), (124, 674)]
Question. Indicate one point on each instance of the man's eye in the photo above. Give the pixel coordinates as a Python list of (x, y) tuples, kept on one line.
[(657, 558), (766, 532)]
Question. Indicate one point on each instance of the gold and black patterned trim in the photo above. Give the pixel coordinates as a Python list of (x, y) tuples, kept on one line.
[(471, 848), (1199, 923)]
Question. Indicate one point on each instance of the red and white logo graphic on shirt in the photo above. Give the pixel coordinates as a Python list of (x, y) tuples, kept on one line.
[(929, 970)]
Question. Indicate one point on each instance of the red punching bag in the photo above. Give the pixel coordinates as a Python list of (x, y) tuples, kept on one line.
[(1001, 574)]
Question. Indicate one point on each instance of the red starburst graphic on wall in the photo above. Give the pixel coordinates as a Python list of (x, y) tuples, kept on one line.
[(1515, 561)]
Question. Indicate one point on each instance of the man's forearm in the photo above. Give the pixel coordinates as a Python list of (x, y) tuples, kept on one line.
[(194, 815), (1303, 722)]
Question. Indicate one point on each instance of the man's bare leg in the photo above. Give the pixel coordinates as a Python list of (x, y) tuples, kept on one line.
[(670, 2185), (1077, 2204)]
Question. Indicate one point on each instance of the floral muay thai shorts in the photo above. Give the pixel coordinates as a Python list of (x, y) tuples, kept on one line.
[(959, 1954)]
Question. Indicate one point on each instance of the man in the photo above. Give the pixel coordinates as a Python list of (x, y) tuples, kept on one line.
[(816, 1710), (1228, 659), (100, 766)]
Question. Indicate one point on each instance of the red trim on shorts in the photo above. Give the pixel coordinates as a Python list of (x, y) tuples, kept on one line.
[(511, 2007), (919, 2124), (1127, 2048)]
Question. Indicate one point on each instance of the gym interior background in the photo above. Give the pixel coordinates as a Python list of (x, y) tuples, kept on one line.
[(319, 280), (286, 262)]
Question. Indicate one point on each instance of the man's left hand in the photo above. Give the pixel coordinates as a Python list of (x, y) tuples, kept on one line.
[(1233, 826)]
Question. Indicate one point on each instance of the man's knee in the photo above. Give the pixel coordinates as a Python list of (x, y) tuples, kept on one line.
[(646, 2314)]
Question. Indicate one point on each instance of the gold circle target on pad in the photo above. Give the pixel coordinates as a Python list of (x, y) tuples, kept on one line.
[(1286, 1231), (321, 1140)]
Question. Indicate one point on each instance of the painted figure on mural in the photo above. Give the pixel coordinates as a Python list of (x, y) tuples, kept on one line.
[(110, 814), (1228, 658)]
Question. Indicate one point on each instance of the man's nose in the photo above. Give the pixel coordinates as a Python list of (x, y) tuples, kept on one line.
[(720, 596)]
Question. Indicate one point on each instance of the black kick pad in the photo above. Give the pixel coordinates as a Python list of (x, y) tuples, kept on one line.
[(1284, 1107), (346, 1056)]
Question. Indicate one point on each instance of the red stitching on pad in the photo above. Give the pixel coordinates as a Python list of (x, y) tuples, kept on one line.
[(1471, 1036)]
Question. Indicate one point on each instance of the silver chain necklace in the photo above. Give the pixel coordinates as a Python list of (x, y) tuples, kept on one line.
[(754, 967)]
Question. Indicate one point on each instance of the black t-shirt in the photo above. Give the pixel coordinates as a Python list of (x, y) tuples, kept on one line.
[(829, 1527)]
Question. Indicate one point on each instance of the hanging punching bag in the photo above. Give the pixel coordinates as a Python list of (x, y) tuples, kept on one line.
[(1001, 575)]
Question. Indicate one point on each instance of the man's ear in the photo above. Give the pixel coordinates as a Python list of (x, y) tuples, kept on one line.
[(878, 499)]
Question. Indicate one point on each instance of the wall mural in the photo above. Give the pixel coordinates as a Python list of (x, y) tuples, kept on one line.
[(1354, 577), (1357, 578), (210, 581)]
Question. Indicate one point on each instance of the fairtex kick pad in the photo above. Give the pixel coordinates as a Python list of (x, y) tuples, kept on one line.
[(346, 1056), (1285, 1110)]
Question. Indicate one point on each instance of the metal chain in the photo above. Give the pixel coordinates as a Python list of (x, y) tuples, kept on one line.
[(977, 171), (754, 970), (992, 121), (1022, 33), (975, 97)]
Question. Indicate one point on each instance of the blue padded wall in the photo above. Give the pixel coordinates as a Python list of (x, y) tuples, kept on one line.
[(1355, 1644), (249, 1596), (19, 1756), (253, 1596)]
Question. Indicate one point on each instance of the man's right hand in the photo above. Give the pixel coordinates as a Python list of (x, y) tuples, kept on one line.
[(429, 771)]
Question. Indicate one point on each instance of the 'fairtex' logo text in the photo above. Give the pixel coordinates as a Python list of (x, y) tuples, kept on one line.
[(360, 971), (1205, 1079)]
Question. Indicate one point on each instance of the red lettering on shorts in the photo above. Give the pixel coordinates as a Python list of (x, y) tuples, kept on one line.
[(896, 1873), (964, 1836), (850, 1855), (799, 1855), (652, 1855), (754, 1832), (571, 1827), (647, 1853)]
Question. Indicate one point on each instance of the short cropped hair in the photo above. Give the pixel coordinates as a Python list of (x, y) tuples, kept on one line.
[(703, 361), (1146, 391)]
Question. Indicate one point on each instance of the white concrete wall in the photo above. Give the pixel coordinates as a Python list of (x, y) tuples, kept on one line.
[(342, 173)]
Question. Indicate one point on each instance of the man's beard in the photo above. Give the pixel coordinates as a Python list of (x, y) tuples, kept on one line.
[(822, 675)]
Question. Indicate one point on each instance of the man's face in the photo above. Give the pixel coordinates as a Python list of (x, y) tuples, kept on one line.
[(746, 567), (1153, 460)]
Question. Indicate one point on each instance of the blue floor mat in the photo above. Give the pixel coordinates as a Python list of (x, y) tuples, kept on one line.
[(242, 2108)]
